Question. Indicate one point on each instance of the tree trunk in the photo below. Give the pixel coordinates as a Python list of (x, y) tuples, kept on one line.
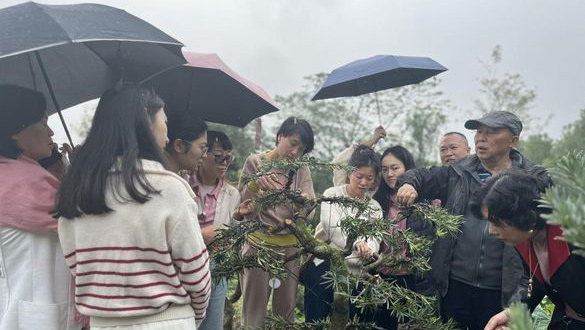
[(228, 315), (258, 138), (339, 312)]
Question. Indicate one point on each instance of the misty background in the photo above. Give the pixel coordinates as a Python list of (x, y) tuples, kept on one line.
[(275, 43)]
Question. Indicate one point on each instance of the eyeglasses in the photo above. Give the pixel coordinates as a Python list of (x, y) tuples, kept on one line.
[(203, 149), (220, 158)]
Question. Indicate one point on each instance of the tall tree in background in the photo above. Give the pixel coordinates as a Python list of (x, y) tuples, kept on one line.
[(542, 149), (573, 137), (424, 120), (506, 92), (538, 148)]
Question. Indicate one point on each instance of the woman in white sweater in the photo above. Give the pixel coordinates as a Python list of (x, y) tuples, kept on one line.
[(362, 179), (129, 227)]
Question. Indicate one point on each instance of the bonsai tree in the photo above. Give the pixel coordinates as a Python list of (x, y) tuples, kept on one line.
[(419, 309)]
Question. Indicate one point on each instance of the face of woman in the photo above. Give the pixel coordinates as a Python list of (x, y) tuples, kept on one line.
[(35, 140), (193, 157), (362, 180), (217, 161), (159, 128), (506, 233), (290, 147), (392, 168)]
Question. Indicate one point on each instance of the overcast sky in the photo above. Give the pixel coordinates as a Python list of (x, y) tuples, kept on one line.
[(275, 43)]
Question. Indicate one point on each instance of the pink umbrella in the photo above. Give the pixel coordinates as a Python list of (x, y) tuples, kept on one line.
[(211, 89)]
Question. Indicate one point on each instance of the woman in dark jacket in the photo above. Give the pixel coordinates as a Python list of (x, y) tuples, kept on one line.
[(509, 201)]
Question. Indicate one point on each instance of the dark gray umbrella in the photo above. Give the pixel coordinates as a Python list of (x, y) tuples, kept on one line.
[(212, 90), (73, 53), (375, 74)]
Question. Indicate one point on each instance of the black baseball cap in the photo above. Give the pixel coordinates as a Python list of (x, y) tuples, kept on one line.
[(497, 119)]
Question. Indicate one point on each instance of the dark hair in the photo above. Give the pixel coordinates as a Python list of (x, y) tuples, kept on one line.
[(120, 135), (294, 125), (365, 156), (219, 137), (19, 108), (511, 198), (458, 133), (185, 126), (382, 195)]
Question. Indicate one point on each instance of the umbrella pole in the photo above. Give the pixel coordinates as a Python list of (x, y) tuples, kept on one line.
[(50, 87), (378, 108)]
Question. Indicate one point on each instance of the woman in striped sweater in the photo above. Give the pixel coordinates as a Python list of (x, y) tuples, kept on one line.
[(129, 227)]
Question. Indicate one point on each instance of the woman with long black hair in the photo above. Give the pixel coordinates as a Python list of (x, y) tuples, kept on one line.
[(395, 161), (129, 227)]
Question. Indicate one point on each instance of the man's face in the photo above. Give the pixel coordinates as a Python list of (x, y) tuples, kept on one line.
[(493, 142), (452, 147)]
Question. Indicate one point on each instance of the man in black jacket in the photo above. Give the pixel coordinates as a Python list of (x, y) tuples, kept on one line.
[(474, 273)]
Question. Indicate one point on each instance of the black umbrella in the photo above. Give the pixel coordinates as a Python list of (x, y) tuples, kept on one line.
[(73, 53), (211, 89)]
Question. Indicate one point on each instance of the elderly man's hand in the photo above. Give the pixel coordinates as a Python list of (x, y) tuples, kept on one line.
[(406, 195)]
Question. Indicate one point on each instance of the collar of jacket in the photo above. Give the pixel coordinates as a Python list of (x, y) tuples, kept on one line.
[(558, 252), (471, 163)]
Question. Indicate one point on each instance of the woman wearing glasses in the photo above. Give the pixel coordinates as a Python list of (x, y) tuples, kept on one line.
[(187, 142), (219, 203)]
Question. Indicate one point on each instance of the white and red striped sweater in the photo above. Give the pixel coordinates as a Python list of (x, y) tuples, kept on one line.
[(139, 259)]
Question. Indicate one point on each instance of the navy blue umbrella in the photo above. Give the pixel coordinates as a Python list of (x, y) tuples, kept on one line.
[(375, 74)]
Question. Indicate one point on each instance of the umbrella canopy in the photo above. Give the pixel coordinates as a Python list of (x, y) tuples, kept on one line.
[(73, 53), (212, 90), (377, 73)]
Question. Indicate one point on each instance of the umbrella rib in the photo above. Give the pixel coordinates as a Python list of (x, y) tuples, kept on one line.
[(130, 40), (84, 41), (98, 55), (36, 48), (32, 72)]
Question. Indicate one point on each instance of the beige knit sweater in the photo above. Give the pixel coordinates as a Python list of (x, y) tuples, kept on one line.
[(140, 261)]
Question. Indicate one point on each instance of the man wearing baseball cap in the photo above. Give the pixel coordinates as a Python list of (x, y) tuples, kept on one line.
[(475, 274)]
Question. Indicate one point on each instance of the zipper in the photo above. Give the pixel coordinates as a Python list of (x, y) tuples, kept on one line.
[(481, 253)]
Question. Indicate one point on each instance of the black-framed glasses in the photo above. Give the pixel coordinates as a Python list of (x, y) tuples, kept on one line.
[(220, 158)]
